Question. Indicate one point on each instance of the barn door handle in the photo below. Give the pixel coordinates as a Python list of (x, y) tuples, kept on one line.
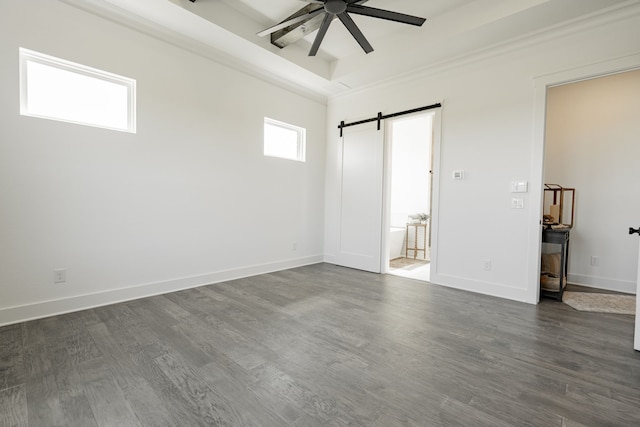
[(634, 230)]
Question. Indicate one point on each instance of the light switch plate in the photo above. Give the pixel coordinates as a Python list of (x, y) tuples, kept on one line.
[(458, 175), (519, 186), (517, 203)]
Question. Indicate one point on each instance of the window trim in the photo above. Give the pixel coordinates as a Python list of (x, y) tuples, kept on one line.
[(301, 140), (26, 55)]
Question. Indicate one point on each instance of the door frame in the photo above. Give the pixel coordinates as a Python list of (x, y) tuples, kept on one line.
[(636, 335), (435, 186), (542, 84)]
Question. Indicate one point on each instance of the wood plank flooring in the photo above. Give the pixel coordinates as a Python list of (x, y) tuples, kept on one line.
[(321, 346)]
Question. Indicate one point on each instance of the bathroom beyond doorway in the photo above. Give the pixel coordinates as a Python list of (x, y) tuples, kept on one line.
[(411, 153)]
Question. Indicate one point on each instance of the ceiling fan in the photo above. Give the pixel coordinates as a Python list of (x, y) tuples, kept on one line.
[(342, 9)]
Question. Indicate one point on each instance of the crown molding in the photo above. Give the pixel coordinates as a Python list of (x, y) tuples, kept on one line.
[(623, 11)]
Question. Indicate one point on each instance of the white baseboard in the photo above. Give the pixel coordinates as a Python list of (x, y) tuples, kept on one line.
[(617, 285), (481, 287), (42, 309)]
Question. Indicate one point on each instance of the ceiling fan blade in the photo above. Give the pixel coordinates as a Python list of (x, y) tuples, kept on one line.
[(355, 32), (291, 21), (321, 33), (385, 14)]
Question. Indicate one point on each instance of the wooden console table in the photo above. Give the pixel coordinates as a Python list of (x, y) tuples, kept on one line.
[(415, 247)]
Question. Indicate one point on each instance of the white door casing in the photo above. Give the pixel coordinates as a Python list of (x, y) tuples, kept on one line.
[(636, 341)]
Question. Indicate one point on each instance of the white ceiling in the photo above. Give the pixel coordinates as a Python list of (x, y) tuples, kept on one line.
[(227, 30)]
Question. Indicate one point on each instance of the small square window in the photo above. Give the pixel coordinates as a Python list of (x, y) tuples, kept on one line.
[(284, 140), (55, 89)]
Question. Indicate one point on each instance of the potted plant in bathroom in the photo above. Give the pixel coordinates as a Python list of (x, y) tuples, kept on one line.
[(419, 218)]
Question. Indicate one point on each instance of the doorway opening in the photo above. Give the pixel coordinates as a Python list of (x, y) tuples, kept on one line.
[(594, 150), (410, 159)]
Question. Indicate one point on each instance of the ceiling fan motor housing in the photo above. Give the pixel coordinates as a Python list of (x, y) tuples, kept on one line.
[(335, 6)]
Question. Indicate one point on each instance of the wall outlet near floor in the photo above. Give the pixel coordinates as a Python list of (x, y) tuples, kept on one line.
[(595, 260), (486, 264), (294, 247), (59, 275)]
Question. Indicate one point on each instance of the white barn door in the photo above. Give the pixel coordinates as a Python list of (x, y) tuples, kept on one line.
[(360, 239)]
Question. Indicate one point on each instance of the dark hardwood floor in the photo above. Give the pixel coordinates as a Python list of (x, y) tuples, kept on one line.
[(321, 346)]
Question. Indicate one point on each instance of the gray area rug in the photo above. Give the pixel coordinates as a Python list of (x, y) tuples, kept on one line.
[(600, 303)]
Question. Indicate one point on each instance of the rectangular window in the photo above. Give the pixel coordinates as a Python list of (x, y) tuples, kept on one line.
[(56, 89), (284, 140)]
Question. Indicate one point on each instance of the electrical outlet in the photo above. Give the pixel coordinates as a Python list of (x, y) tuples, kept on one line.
[(486, 264), (595, 261), (59, 275), (294, 247)]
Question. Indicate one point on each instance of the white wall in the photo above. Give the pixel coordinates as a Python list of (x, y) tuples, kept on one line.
[(487, 131), (593, 145), (188, 200)]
